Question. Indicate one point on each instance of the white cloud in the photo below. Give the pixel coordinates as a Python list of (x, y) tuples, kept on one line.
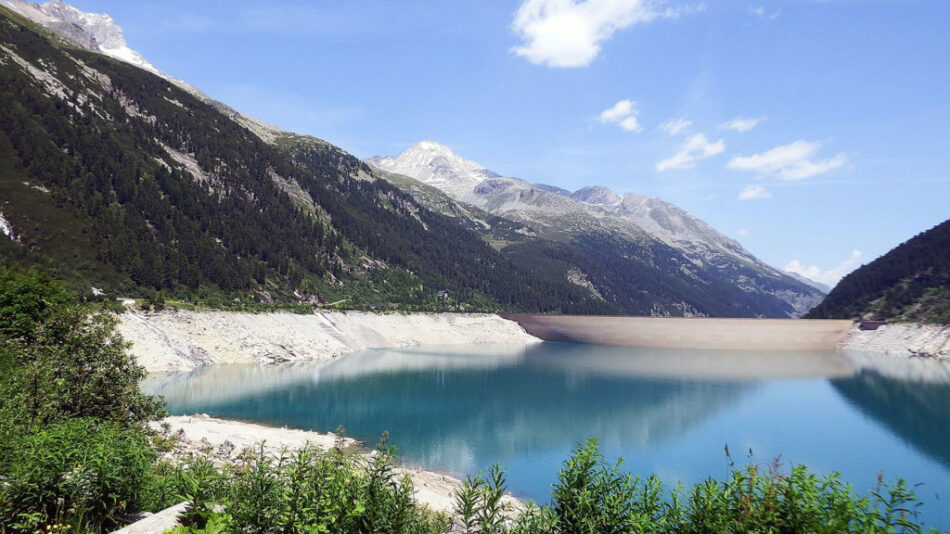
[(617, 112), (696, 148), (624, 114), (630, 124), (759, 11), (788, 162), (569, 33), (741, 124), (753, 192), (676, 126), (742, 232), (828, 277)]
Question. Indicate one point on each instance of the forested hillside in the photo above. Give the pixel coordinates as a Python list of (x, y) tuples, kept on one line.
[(124, 181), (133, 185), (643, 254), (909, 283)]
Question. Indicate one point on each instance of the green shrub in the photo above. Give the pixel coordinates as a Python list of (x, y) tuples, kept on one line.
[(61, 362), (305, 491), (593, 497), (28, 300), (82, 473), (70, 398)]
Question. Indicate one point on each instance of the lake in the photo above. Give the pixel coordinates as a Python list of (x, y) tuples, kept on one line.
[(668, 412)]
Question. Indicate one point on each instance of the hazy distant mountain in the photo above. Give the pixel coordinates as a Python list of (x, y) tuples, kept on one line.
[(909, 283), (696, 251), (824, 288)]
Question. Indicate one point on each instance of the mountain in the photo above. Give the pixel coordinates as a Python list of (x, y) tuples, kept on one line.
[(909, 283), (824, 288), (615, 235), (133, 182), (137, 184), (93, 31)]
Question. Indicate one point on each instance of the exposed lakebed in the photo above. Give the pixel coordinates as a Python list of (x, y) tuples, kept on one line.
[(668, 412)]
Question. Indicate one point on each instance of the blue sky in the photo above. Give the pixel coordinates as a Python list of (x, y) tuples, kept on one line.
[(842, 142)]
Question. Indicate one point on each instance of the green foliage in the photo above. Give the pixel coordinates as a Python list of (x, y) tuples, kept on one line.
[(217, 523), (28, 299), (479, 503), (593, 497), (72, 450), (82, 473), (307, 490), (910, 283), (60, 362)]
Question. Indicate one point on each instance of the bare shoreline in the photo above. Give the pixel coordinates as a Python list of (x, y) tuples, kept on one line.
[(181, 340), (227, 438)]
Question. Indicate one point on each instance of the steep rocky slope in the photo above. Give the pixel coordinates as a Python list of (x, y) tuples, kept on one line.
[(133, 181), (594, 220), (132, 184)]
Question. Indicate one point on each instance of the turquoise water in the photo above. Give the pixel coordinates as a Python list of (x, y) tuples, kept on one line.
[(664, 412)]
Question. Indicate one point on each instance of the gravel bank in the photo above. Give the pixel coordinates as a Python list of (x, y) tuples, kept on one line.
[(180, 340), (901, 339), (227, 439), (905, 351)]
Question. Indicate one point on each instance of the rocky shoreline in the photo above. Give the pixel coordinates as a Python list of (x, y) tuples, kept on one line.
[(181, 340), (223, 441), (907, 351), (901, 339)]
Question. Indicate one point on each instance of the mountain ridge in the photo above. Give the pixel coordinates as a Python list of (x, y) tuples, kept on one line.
[(369, 238), (911, 282), (561, 215), (135, 186)]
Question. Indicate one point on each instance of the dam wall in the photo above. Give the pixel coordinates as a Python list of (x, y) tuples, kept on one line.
[(687, 333)]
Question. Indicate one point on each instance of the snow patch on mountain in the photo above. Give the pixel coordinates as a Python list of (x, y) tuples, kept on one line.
[(97, 32), (434, 164), (557, 213), (7, 228), (587, 208)]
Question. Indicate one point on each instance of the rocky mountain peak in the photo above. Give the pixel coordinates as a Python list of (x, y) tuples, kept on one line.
[(435, 164), (96, 32), (598, 195)]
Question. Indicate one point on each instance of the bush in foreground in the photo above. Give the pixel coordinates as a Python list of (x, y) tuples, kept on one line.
[(83, 474), (312, 491), (74, 453), (593, 497), (305, 491)]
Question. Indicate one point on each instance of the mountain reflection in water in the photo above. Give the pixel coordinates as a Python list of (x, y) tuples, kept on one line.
[(917, 412), (665, 411)]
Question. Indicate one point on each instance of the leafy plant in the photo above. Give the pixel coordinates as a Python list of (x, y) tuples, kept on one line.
[(82, 473)]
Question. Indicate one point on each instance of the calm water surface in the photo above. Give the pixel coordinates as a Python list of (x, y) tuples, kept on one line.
[(663, 411)]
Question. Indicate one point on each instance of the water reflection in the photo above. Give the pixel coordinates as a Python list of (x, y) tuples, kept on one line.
[(918, 412), (452, 410), (665, 411)]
